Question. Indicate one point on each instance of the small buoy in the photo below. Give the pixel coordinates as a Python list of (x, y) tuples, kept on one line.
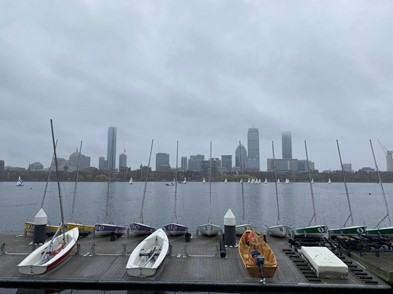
[(369, 193)]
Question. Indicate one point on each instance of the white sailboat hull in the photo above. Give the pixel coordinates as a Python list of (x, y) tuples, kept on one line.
[(175, 229), (209, 229), (148, 255), (49, 254), (318, 231), (101, 230), (279, 231)]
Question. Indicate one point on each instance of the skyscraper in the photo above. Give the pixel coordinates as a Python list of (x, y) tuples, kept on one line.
[(184, 163), (226, 162), (111, 150), (162, 162), (253, 149), (243, 153), (286, 139), (123, 161)]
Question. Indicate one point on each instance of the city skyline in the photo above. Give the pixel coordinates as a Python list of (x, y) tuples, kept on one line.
[(163, 158), (319, 69)]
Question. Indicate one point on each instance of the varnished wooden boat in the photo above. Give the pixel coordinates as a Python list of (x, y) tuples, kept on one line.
[(250, 241)]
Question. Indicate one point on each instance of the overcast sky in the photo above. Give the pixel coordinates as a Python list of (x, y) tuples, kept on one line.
[(196, 71)]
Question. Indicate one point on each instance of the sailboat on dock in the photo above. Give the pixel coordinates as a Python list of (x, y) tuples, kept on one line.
[(240, 229), (108, 228), (381, 231), (313, 229), (175, 228), (279, 230), (148, 255), (347, 230), (55, 251), (29, 225), (140, 228), (84, 230), (209, 229)]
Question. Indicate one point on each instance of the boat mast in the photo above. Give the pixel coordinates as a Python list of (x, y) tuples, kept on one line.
[(241, 173), (47, 181), (275, 183), (346, 188), (58, 181), (210, 183), (76, 184), (383, 190), (107, 217), (314, 216), (144, 190), (174, 208)]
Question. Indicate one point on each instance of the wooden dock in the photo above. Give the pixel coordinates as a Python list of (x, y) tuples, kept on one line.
[(195, 266)]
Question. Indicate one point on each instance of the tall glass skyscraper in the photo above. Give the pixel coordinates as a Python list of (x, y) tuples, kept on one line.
[(286, 138), (253, 149), (111, 150)]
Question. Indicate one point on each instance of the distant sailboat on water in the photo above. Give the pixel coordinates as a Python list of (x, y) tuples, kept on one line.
[(130, 181), (19, 183)]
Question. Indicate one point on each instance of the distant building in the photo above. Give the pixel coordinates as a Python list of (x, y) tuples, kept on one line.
[(216, 164), (84, 162), (347, 167), (240, 150), (286, 139), (111, 149), (162, 162), (62, 164), (123, 161), (183, 163), (35, 166), (367, 169), (226, 162), (289, 165), (102, 163), (252, 162), (195, 162), (302, 165), (283, 165), (2, 164)]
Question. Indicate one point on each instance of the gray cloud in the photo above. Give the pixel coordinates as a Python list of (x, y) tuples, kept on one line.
[(195, 71)]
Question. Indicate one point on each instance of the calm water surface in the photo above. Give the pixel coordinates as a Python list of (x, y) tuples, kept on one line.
[(123, 204)]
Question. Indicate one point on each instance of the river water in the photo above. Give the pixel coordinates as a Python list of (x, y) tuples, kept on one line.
[(123, 203)]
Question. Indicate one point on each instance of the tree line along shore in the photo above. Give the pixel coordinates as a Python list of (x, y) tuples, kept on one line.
[(96, 175)]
